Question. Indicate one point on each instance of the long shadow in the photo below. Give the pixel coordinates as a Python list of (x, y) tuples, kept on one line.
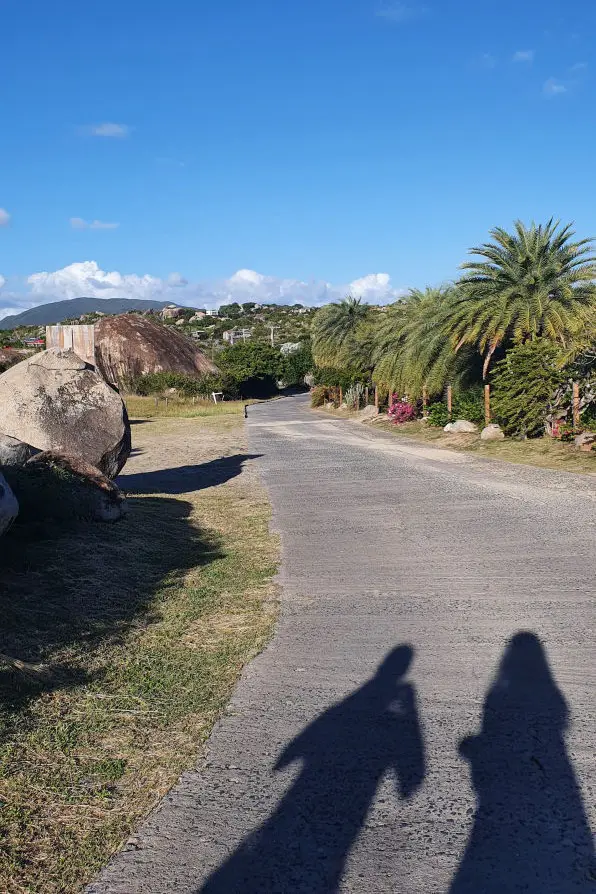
[(345, 753), (185, 479), (530, 830), (70, 588)]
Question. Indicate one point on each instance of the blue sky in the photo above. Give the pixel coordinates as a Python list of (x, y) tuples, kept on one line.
[(317, 141)]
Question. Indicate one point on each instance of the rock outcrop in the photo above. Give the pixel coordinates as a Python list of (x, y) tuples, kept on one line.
[(130, 346), (9, 507), (55, 401)]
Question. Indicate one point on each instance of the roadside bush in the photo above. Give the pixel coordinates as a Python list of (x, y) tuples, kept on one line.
[(354, 395), (187, 386), (588, 418), (524, 386), (295, 366), (469, 405), (318, 396), (438, 415), (401, 411), (337, 378)]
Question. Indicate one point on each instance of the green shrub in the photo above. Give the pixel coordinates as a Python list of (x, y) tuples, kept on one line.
[(295, 366), (524, 386), (588, 417), (318, 396), (469, 404), (438, 415), (338, 378), (187, 386)]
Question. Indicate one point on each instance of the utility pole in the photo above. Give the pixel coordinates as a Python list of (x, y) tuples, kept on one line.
[(273, 328)]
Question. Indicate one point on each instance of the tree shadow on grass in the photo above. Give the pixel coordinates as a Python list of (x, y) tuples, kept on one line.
[(185, 479), (74, 588), (530, 831), (345, 753)]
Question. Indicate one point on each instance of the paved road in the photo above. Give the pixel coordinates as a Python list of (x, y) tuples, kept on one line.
[(424, 719)]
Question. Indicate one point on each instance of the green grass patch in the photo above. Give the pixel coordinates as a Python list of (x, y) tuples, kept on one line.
[(181, 407), (142, 629)]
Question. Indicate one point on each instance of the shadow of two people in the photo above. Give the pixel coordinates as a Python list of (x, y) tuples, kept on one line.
[(530, 831)]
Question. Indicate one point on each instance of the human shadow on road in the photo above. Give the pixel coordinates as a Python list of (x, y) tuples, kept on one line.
[(345, 753), (185, 479), (530, 829)]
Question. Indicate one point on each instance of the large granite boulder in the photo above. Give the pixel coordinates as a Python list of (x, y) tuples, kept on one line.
[(9, 508), (56, 401), (129, 346), (73, 489)]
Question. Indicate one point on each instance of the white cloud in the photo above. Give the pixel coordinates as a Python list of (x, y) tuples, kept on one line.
[(4, 217), (88, 279), (2, 281), (523, 56), (553, 87), (398, 12), (579, 67), (371, 287), (77, 223), (108, 129)]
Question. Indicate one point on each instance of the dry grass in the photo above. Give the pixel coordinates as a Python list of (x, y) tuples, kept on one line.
[(181, 407), (146, 626), (543, 452)]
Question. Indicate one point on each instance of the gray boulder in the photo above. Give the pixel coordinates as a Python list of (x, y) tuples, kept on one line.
[(460, 426), (9, 507), (492, 432), (64, 489), (56, 401), (14, 452)]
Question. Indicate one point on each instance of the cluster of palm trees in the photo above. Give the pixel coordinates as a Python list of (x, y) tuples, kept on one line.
[(537, 282)]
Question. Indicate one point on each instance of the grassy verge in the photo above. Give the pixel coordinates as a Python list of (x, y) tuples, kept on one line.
[(180, 407), (543, 452), (145, 626)]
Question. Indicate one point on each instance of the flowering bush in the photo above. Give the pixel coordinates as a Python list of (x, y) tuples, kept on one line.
[(401, 411)]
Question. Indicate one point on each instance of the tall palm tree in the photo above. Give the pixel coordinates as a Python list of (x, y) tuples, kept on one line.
[(414, 350), (533, 283), (334, 331)]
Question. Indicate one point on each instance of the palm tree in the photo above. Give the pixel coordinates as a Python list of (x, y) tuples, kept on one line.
[(334, 332), (414, 350), (533, 283)]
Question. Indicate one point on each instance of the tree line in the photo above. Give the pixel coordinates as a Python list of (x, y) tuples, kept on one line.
[(522, 313)]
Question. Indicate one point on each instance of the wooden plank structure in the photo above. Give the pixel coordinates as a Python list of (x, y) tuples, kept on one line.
[(80, 338)]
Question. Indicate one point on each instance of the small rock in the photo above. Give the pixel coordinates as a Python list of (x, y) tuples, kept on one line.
[(460, 426), (9, 507), (492, 432), (368, 413)]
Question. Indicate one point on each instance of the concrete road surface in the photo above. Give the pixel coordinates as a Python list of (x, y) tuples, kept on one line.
[(423, 720)]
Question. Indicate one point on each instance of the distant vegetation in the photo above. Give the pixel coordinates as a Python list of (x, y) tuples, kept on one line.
[(523, 316), (532, 286)]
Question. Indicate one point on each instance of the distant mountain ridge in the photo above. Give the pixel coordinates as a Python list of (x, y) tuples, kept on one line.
[(57, 311)]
